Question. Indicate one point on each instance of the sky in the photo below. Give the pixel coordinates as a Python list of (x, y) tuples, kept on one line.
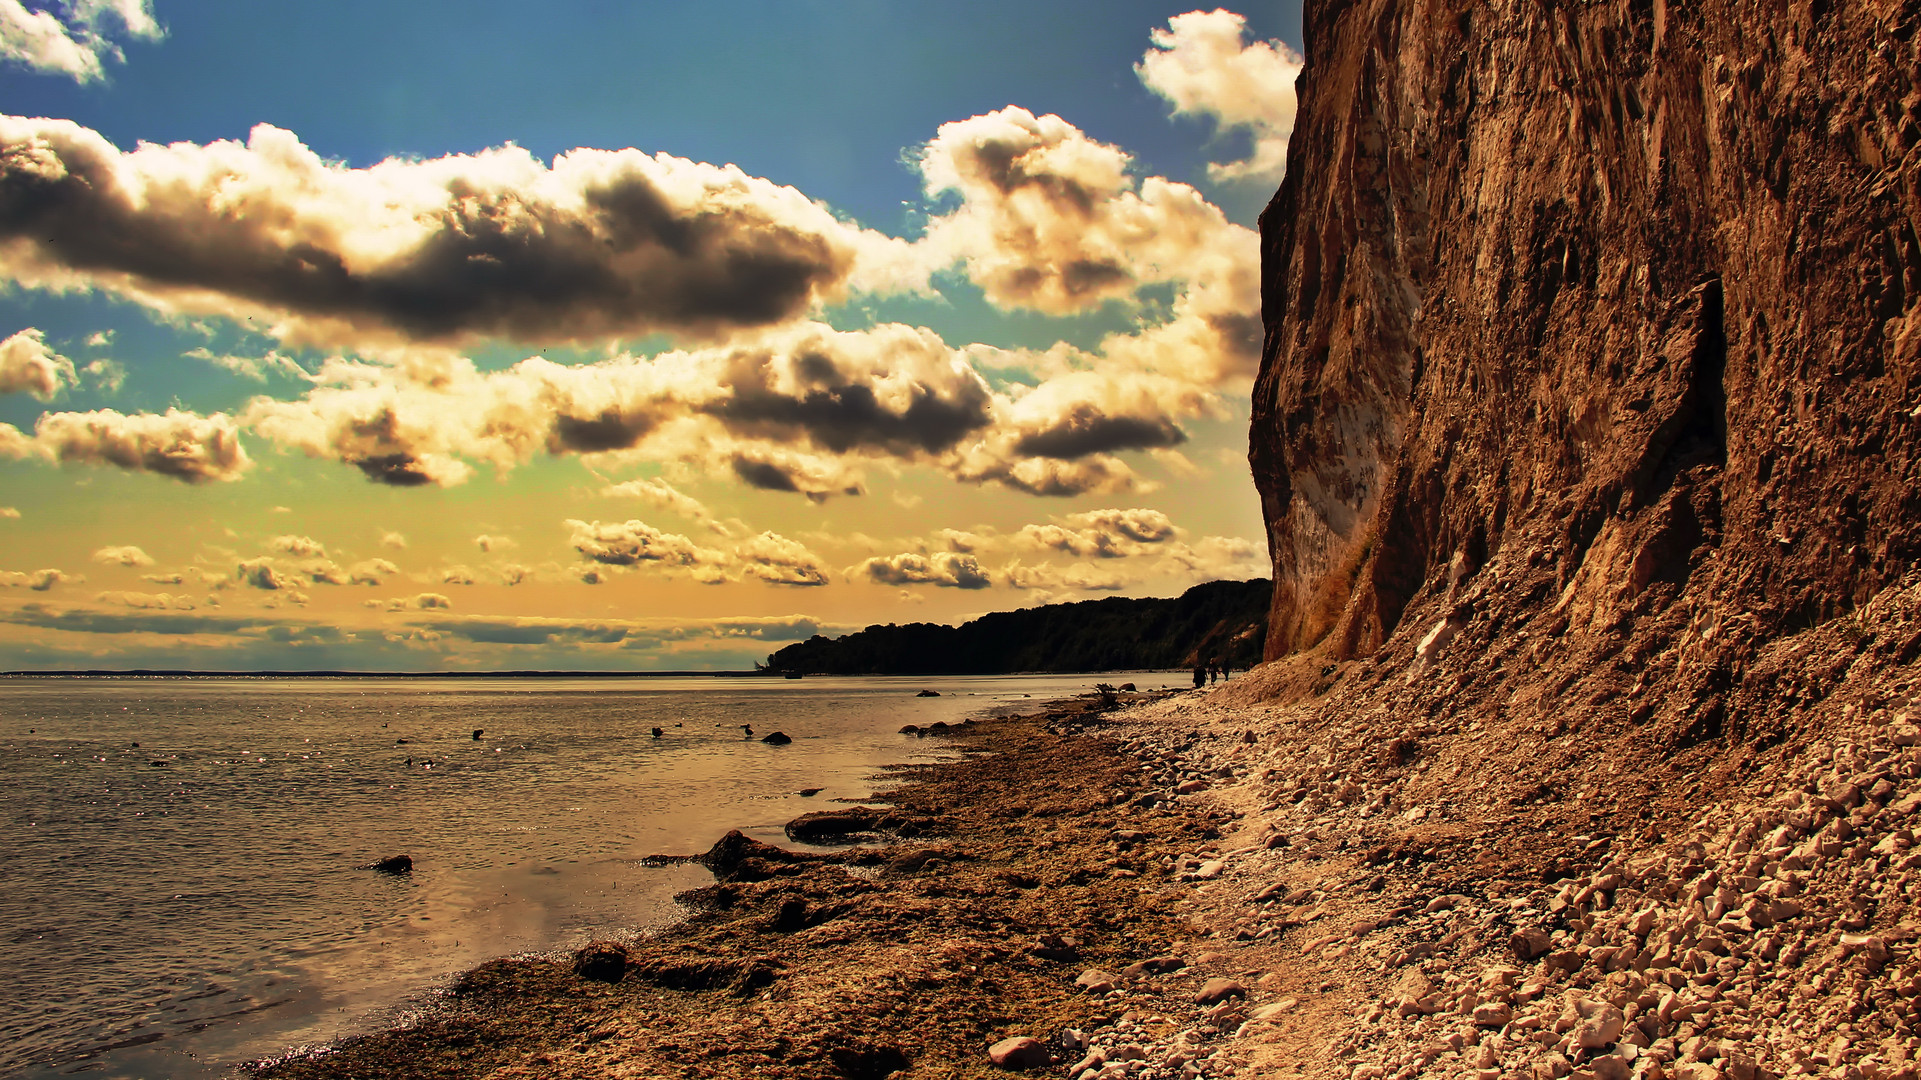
[(617, 336)]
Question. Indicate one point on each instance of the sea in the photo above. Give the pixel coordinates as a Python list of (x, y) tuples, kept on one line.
[(184, 879)]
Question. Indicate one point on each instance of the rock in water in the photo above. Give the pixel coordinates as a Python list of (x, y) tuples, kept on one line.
[(1020, 1052), (392, 864), (928, 693), (778, 738), (601, 961)]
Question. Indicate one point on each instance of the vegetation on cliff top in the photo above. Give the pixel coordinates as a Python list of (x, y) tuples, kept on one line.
[(1220, 621)]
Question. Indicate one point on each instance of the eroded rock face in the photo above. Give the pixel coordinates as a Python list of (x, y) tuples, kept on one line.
[(1619, 295)]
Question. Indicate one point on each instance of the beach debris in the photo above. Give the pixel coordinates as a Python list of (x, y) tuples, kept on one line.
[(928, 693), (1020, 1052), (778, 738), (478, 732), (392, 864), (808, 792), (601, 961)]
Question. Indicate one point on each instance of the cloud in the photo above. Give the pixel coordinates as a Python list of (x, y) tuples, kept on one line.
[(947, 569), (1052, 220), (124, 555), (183, 445), (297, 546), (254, 368), (595, 246), (457, 575), (262, 574), (371, 572), (27, 365), (1214, 558), (9, 512), (37, 580), (1202, 65), (77, 39), (1074, 576), (491, 543), (1106, 534), (105, 376), (664, 496), (393, 540), (426, 601), (532, 630), (774, 558), (147, 601), (632, 543)]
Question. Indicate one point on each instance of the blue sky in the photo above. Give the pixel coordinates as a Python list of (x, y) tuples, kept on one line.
[(965, 326)]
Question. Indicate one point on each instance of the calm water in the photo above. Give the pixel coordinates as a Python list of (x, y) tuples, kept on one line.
[(165, 920)]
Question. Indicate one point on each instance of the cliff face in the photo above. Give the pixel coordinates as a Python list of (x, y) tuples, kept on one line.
[(1615, 300)]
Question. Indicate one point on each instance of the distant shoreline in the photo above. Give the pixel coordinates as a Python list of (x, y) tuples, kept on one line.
[(100, 673), (161, 673)]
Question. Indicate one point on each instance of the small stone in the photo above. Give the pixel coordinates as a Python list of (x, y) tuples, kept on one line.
[(1218, 990), (1020, 1052)]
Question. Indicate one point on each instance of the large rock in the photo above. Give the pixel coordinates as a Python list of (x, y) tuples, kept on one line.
[(1020, 1052)]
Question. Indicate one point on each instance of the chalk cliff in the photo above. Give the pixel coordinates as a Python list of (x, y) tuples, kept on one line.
[(1597, 321)]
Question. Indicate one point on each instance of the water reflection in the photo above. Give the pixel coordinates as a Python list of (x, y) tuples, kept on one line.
[(183, 885)]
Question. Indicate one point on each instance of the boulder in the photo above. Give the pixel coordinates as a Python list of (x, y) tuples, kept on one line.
[(1020, 1052), (1214, 991), (392, 864), (778, 738)]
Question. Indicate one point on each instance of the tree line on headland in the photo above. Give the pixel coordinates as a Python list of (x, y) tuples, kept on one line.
[(1219, 622)]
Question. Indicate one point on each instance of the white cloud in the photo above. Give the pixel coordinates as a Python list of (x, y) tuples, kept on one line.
[(487, 543), (76, 39), (393, 540), (28, 366), (595, 246), (37, 580), (183, 445), (633, 543), (774, 558), (946, 569), (297, 546), (9, 512), (1203, 66), (123, 555)]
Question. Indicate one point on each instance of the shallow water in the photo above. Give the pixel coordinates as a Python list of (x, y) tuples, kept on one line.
[(173, 907)]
